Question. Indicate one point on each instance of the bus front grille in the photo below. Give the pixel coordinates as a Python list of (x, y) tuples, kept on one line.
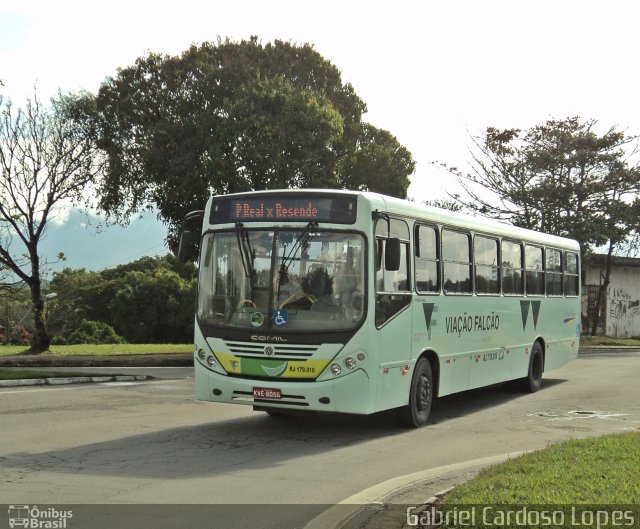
[(279, 351)]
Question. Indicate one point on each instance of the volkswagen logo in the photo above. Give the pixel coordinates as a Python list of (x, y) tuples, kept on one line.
[(268, 350)]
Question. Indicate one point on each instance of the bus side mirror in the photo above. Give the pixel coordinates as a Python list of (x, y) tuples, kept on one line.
[(185, 246), (187, 250), (392, 254)]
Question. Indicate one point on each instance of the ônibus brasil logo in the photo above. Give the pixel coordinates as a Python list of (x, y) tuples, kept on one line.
[(36, 518)]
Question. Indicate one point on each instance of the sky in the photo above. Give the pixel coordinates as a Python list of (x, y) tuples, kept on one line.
[(432, 73)]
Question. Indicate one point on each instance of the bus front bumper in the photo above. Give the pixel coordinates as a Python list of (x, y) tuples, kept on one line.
[(346, 394)]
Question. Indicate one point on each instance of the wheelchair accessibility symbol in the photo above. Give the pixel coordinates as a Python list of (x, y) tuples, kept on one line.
[(280, 317)]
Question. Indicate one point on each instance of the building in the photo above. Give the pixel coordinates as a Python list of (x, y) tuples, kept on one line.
[(621, 307)]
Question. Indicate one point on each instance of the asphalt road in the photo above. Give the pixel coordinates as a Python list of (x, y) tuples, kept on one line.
[(151, 443)]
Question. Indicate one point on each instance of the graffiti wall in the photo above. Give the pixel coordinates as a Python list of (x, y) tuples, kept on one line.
[(623, 303)]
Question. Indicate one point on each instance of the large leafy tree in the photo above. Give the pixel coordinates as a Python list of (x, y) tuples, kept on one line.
[(560, 177), (47, 159), (378, 163), (236, 116)]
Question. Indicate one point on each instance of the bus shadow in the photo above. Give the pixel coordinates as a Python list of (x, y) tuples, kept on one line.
[(475, 400), (213, 448), (245, 444)]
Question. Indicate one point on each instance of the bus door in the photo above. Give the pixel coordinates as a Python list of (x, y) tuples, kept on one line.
[(393, 312)]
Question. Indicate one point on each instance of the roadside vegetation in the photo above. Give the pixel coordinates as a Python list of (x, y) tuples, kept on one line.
[(605, 340), (102, 349), (601, 472), (596, 470), (150, 300)]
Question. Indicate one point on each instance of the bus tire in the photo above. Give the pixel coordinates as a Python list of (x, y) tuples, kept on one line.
[(532, 382), (416, 413)]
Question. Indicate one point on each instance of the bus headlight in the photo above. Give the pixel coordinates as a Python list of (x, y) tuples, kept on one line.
[(350, 362), (211, 361), (336, 369), (201, 354)]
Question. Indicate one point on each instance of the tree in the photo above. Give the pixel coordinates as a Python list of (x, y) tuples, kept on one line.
[(560, 177), (378, 163), (80, 295), (46, 160), (156, 307), (146, 301), (235, 116), (451, 204)]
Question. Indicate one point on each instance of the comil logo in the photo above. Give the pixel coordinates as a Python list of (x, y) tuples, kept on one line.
[(36, 518)]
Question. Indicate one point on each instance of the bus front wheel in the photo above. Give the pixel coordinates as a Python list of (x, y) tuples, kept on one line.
[(532, 382), (416, 413)]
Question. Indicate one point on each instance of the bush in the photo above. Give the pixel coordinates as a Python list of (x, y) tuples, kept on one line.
[(58, 340), (19, 335), (94, 332)]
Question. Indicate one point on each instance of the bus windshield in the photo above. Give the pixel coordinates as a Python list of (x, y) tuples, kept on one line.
[(284, 280)]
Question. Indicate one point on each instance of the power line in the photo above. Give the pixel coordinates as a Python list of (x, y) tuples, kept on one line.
[(130, 258)]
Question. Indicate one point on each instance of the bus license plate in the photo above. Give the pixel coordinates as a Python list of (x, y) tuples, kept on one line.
[(267, 393)]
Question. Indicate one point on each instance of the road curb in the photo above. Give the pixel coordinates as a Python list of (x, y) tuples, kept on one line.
[(339, 516), (607, 349), (50, 360), (23, 382), (59, 381)]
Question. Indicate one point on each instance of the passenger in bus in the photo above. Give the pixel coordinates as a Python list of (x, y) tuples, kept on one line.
[(318, 283)]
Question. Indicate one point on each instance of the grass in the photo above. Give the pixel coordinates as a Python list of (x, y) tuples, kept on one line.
[(584, 473), (605, 340), (102, 350), (597, 470)]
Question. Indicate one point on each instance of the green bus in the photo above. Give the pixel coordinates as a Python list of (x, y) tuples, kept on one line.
[(355, 302)]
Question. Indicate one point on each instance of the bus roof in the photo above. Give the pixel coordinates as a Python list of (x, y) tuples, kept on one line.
[(473, 223), (415, 210)]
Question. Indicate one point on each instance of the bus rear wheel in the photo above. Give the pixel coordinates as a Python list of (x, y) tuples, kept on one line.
[(533, 381), (416, 413)]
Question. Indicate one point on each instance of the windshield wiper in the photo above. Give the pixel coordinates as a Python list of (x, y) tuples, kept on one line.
[(247, 254), (301, 243)]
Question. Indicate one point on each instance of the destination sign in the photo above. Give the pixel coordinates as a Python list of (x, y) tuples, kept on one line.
[(274, 208)]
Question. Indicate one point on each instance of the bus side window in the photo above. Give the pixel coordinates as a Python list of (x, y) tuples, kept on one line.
[(534, 259), (392, 280), (427, 259), (379, 263), (399, 279), (571, 274), (487, 272), (512, 268), (392, 286), (456, 255), (553, 272)]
